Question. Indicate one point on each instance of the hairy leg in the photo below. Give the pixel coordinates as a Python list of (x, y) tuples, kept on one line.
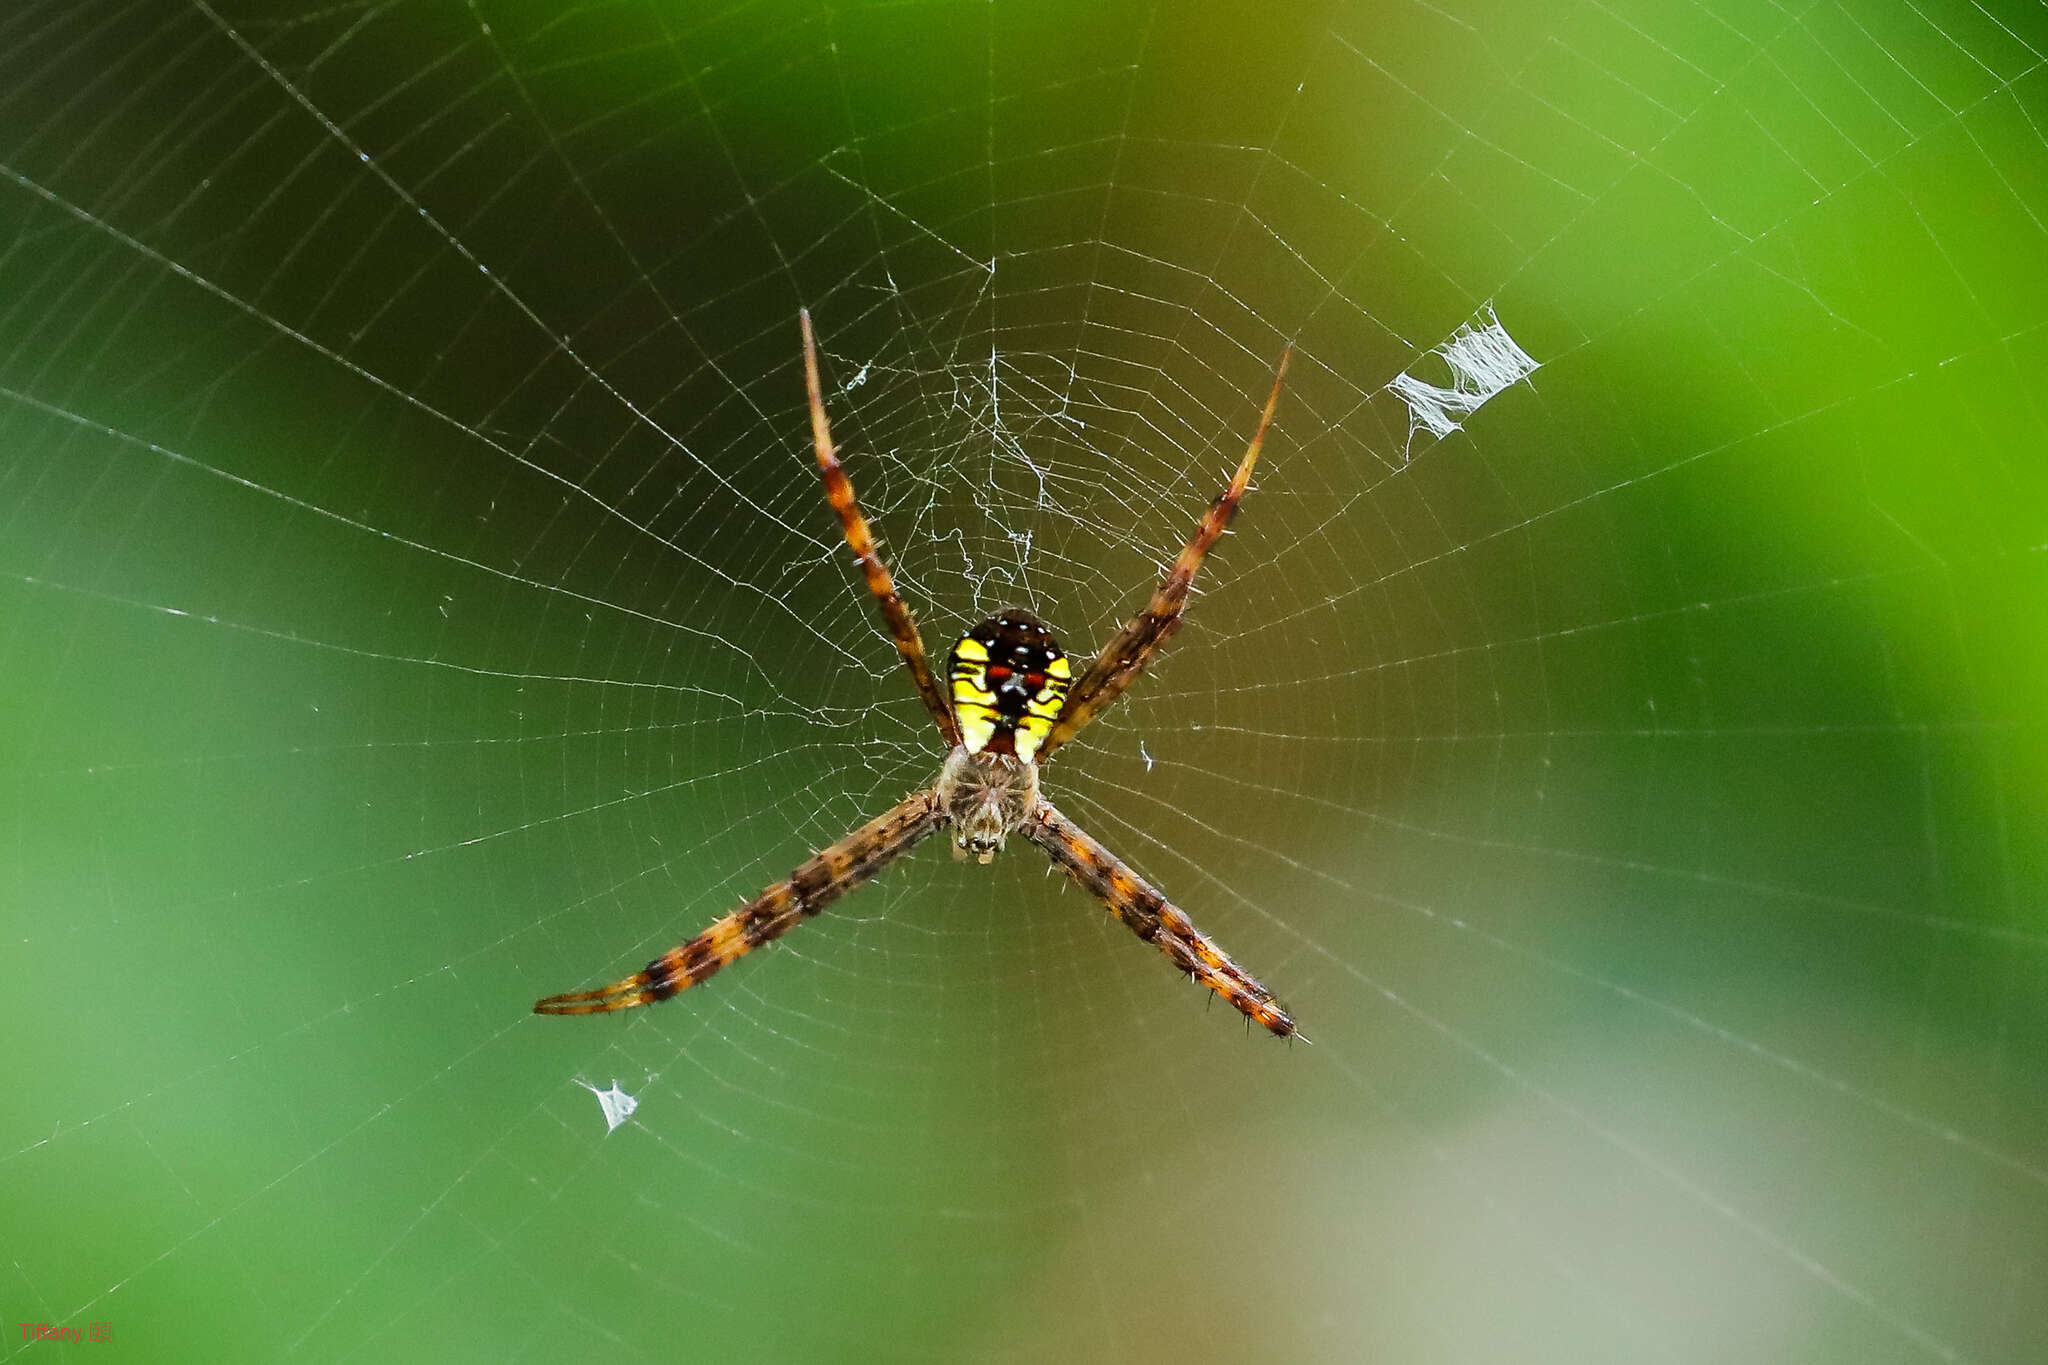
[(839, 492), (1152, 917), (1147, 633), (818, 881)]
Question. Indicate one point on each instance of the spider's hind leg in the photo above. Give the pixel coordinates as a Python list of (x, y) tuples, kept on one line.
[(839, 492), (1146, 633)]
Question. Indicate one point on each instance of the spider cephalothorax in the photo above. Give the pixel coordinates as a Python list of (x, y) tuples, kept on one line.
[(1007, 709), (987, 796)]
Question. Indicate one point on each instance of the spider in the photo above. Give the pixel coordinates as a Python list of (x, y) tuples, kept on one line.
[(1013, 701)]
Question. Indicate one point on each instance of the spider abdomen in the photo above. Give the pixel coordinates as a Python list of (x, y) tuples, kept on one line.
[(986, 795), (1009, 679)]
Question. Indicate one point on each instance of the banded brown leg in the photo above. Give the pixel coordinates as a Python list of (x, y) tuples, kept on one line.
[(818, 881), (1146, 634), (1153, 918), (839, 492)]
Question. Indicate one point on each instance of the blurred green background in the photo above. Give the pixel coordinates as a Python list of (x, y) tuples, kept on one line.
[(416, 598)]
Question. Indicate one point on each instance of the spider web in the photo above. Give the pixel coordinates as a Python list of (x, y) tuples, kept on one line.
[(418, 599)]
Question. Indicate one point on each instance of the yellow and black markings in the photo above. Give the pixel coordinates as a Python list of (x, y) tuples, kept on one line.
[(1009, 679)]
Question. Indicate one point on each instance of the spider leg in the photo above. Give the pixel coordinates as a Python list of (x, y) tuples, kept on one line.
[(1152, 917), (1147, 633), (839, 492), (818, 881)]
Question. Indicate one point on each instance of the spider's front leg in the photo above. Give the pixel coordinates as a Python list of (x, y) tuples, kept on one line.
[(818, 881), (1153, 918)]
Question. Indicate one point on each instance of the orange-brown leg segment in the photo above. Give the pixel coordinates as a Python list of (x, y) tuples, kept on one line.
[(839, 492), (1147, 633), (1153, 918), (817, 882)]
